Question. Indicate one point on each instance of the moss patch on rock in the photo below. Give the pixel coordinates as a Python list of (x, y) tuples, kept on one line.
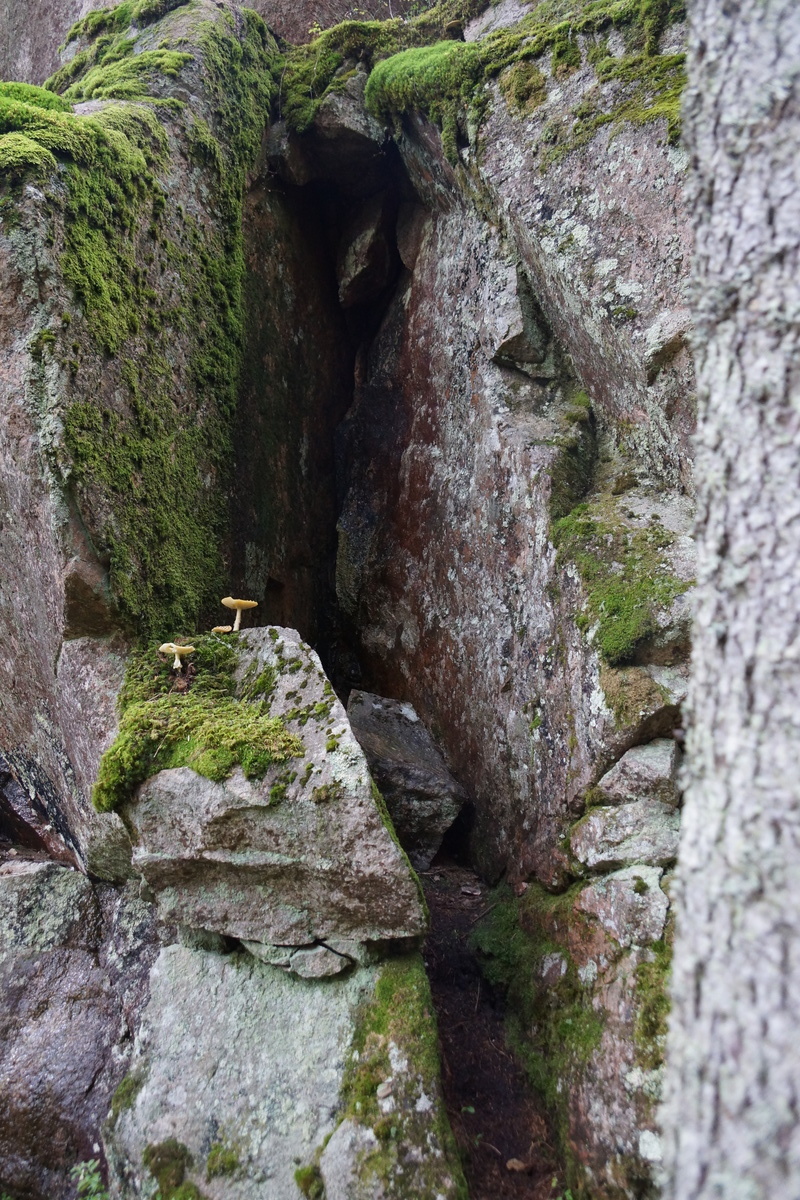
[(624, 571), (653, 1001), (400, 1020), (449, 84), (205, 726), (167, 1162)]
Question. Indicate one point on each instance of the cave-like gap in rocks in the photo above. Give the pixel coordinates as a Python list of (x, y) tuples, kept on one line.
[(346, 220)]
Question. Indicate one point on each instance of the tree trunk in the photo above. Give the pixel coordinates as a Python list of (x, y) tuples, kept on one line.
[(730, 1117)]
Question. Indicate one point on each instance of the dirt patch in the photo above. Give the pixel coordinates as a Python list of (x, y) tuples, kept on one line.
[(501, 1128)]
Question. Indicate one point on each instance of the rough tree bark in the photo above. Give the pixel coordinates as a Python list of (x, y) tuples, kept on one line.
[(731, 1122)]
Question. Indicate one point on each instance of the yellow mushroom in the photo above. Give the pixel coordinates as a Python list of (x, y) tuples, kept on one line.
[(179, 652), (222, 629), (239, 605)]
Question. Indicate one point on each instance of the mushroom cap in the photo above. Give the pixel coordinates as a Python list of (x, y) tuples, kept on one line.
[(172, 648), (222, 629), (229, 602)]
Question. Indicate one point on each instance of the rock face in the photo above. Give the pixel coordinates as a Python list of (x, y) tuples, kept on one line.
[(262, 1105), (264, 1075), (302, 855), (421, 795), (74, 963)]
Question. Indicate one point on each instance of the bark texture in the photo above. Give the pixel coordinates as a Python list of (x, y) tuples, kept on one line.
[(731, 1107)]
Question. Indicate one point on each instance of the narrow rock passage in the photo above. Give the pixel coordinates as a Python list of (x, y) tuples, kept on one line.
[(495, 1115)]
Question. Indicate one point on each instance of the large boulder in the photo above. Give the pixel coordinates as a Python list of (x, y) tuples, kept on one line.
[(241, 1074), (304, 854), (421, 795)]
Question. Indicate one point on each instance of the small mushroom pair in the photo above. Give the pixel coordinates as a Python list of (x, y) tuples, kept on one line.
[(240, 606)]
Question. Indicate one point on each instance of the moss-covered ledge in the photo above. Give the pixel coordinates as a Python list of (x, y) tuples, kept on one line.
[(423, 65)]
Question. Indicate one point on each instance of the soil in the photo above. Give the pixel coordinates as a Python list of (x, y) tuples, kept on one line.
[(502, 1130)]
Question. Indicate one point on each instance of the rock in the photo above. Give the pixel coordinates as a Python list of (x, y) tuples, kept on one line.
[(629, 904), (72, 968), (44, 906), (231, 1050), (342, 1163), (513, 332), (365, 258), (319, 962), (643, 832), (421, 795), (300, 856), (108, 849), (647, 772)]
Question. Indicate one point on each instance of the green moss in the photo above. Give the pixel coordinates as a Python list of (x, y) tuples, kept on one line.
[(400, 1013), (439, 80), (631, 693), (222, 1160), (572, 469), (309, 1180), (205, 727), (131, 12), (327, 793), (167, 1162), (38, 97), (121, 75), (524, 87), (125, 1095), (653, 1002), (447, 82), (624, 572)]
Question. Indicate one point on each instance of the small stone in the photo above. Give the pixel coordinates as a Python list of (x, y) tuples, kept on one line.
[(385, 1089), (319, 963), (516, 1164)]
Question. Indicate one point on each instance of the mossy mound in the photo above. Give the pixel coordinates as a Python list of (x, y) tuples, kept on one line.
[(414, 67), (204, 725)]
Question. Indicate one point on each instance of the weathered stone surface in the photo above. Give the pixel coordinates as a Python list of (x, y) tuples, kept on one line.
[(31, 34), (342, 1162), (629, 904), (366, 258), (233, 1051), (646, 772), (422, 797), (298, 857), (645, 831), (74, 965), (318, 962)]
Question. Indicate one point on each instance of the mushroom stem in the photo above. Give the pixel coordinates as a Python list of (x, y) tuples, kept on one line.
[(176, 666), (238, 620)]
